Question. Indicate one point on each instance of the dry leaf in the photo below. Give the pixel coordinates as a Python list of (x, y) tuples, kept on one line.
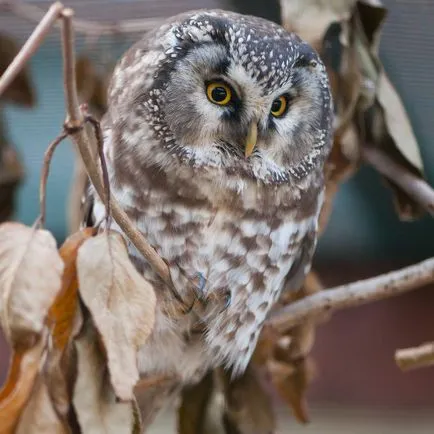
[(152, 392), (64, 318), (310, 19), (122, 305), (95, 403), (30, 278), (63, 311), (397, 122), (293, 385), (248, 404), (16, 391), (39, 416)]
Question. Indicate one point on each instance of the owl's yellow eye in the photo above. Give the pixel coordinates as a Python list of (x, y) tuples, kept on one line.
[(279, 106), (218, 93)]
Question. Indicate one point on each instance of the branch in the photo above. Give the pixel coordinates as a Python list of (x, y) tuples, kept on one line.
[(413, 358), (31, 45), (417, 188), (92, 28), (74, 124), (354, 294)]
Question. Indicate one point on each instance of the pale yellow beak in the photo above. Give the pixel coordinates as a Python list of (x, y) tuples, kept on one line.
[(252, 137)]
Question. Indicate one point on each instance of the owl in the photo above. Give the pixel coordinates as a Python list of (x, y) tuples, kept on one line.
[(215, 138)]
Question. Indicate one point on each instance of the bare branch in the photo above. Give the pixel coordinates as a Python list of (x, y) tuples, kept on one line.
[(354, 294), (31, 45), (44, 176), (100, 142), (413, 185), (418, 357), (74, 116), (92, 28), (83, 142)]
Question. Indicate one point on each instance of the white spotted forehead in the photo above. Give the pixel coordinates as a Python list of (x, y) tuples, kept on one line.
[(265, 50)]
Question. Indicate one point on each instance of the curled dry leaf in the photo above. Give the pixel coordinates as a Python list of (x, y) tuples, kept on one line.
[(311, 18), (64, 319), (62, 312), (291, 381), (289, 365), (30, 278), (95, 403), (121, 303), (16, 391)]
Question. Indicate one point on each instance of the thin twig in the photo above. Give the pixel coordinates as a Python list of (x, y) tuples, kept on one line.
[(354, 294), (31, 45), (44, 176), (418, 357), (83, 143), (413, 185), (74, 115), (100, 142), (92, 28)]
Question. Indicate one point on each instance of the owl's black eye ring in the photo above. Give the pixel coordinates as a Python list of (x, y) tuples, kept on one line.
[(219, 93), (279, 107)]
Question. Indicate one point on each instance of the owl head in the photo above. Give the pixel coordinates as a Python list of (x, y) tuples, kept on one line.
[(224, 92)]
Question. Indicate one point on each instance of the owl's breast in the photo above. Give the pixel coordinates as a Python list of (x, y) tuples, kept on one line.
[(243, 244), (246, 253)]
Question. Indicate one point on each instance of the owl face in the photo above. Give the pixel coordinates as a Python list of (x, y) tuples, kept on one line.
[(238, 94)]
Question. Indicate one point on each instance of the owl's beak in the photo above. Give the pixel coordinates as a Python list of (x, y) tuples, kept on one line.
[(252, 137)]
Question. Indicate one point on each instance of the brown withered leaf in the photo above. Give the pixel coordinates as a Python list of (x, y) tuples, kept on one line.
[(63, 311), (21, 90), (310, 19), (121, 303), (193, 409), (291, 381), (39, 416), (397, 122), (64, 320), (30, 278), (16, 391), (249, 407), (95, 403)]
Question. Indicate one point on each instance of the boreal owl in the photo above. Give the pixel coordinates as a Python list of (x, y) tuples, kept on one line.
[(216, 134)]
